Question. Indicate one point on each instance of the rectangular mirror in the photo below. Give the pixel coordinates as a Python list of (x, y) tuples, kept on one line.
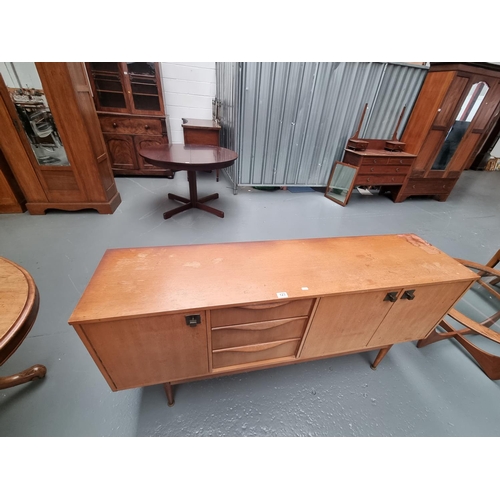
[(26, 92), (341, 183)]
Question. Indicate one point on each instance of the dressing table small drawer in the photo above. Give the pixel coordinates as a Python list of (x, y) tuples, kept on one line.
[(384, 169), (374, 161), (378, 180), (401, 161)]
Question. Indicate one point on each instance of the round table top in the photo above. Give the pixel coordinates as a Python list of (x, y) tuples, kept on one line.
[(188, 157), (18, 305)]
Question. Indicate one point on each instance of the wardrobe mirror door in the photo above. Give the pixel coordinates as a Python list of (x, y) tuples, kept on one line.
[(462, 121), (26, 92)]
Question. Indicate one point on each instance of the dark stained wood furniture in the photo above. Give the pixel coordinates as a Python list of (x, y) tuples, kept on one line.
[(477, 313), (129, 102), (205, 132), (191, 158), (457, 107), (12, 199), (167, 315), (86, 181), (19, 301), (381, 162)]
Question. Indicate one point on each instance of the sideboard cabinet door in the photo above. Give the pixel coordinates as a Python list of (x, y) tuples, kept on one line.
[(345, 322), (145, 351), (414, 319)]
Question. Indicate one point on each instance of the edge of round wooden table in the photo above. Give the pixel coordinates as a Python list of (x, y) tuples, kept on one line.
[(191, 158), (19, 303)]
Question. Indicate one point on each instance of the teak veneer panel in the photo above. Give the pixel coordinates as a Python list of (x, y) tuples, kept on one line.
[(137, 282), (149, 351)]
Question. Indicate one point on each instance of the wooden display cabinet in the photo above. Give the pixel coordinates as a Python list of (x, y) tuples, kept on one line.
[(167, 315), (52, 140), (128, 98), (455, 112)]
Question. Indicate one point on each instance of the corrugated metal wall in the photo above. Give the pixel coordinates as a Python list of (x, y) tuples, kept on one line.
[(289, 122)]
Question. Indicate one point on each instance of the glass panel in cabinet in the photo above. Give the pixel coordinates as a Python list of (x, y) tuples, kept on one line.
[(108, 84), (26, 92), (106, 67), (141, 68), (462, 121)]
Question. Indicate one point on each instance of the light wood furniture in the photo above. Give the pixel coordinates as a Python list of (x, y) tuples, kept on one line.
[(87, 181), (129, 102), (12, 199), (477, 313), (191, 158), (458, 106), (167, 315), (19, 301)]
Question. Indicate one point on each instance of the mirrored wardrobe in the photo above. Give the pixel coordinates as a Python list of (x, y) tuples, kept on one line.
[(51, 138), (456, 110)]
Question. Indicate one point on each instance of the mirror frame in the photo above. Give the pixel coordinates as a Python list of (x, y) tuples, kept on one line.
[(349, 191)]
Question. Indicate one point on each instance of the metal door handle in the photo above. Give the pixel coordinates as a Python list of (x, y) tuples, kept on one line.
[(408, 294), (391, 297)]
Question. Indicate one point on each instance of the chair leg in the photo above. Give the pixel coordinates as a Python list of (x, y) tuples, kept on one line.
[(489, 363)]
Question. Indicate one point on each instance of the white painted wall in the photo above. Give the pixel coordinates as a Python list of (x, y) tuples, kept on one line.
[(188, 90)]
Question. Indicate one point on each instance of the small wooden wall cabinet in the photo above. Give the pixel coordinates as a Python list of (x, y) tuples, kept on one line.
[(167, 315)]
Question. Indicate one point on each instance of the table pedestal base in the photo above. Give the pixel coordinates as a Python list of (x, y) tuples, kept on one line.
[(193, 201)]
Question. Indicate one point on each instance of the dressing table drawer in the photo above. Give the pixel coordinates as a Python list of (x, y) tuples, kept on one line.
[(377, 180)]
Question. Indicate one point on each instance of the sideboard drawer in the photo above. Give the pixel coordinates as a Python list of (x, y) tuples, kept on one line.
[(260, 312), (123, 125), (258, 333), (252, 353), (377, 180)]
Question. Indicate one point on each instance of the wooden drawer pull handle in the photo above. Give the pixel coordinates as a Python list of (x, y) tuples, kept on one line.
[(146, 127), (265, 306), (397, 169), (257, 347), (265, 325), (115, 125)]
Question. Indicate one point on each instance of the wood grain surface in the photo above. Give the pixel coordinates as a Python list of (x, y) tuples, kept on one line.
[(134, 282)]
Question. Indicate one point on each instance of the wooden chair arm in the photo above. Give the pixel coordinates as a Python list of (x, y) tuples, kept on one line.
[(473, 325)]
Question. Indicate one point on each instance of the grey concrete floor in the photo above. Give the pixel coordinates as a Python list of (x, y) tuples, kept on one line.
[(435, 391)]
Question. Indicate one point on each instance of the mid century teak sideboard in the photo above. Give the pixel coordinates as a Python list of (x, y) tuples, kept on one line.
[(167, 315)]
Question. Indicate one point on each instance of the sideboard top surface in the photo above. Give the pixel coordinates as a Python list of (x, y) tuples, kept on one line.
[(135, 282)]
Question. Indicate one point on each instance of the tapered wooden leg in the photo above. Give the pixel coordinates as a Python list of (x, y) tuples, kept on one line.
[(380, 357), (36, 371), (169, 391)]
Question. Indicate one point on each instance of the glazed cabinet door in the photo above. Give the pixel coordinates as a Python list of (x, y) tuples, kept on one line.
[(147, 351), (416, 312), (345, 323)]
